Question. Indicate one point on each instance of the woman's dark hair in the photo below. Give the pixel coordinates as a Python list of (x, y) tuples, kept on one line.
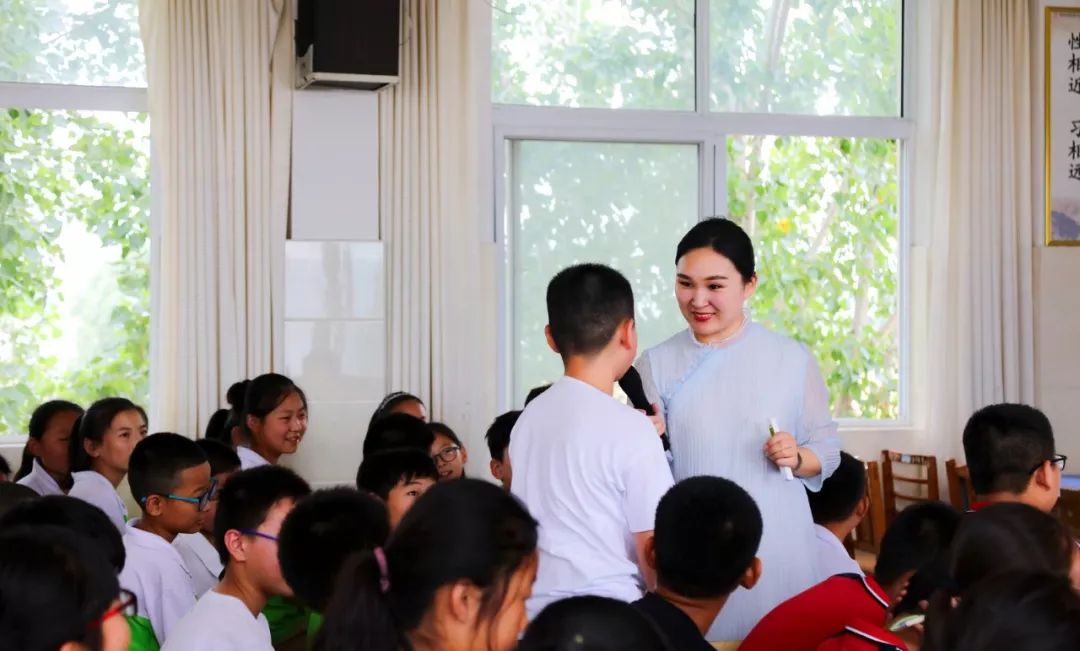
[(39, 422), (92, 426), (388, 403), (398, 431), (264, 394), (724, 237), (215, 428), (467, 530), (444, 429), (1019, 611), (592, 624), (235, 397), (83, 518), (53, 589)]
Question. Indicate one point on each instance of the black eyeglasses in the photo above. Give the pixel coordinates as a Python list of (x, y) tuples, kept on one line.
[(1057, 460)]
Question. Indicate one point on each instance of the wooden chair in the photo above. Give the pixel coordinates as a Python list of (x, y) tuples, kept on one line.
[(961, 494), (869, 532), (889, 479)]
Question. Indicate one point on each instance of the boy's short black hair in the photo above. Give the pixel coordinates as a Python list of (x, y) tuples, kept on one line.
[(536, 392), (12, 495), (841, 493), (249, 496), (1004, 444), (398, 431), (83, 518), (320, 534), (919, 537), (156, 464), (498, 435), (586, 304), (222, 458), (380, 472), (707, 533)]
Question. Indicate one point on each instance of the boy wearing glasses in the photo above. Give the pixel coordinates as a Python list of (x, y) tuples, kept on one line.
[(170, 480), (250, 512), (1011, 458)]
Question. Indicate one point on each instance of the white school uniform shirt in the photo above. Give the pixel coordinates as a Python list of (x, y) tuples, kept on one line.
[(250, 458), (91, 486), (591, 471), (201, 559), (157, 576), (832, 558), (41, 482), (220, 623)]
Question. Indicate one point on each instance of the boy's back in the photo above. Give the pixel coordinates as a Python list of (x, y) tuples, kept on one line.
[(155, 573), (591, 471), (220, 622)]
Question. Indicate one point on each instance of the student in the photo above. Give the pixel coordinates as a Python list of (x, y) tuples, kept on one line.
[(232, 432), (88, 521), (317, 538), (838, 508), (58, 594), (535, 393), (170, 480), (434, 586), (918, 539), (398, 477), (12, 495), (197, 549), (1011, 458), (448, 453), (144, 426), (596, 624), (498, 441), (250, 513), (591, 469), (46, 466), (101, 446), (274, 420), (1018, 611), (399, 402), (398, 431), (703, 549), (215, 428)]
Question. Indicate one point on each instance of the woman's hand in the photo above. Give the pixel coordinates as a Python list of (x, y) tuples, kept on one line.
[(782, 450)]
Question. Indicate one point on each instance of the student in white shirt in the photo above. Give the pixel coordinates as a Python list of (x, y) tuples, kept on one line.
[(838, 508), (590, 469), (250, 512), (100, 449), (197, 549), (46, 464), (273, 420), (170, 479)]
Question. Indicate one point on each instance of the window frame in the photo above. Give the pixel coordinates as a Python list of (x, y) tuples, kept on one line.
[(709, 130)]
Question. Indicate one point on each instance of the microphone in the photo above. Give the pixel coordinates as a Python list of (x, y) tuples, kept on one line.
[(631, 385)]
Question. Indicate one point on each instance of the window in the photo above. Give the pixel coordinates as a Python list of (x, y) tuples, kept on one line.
[(74, 206), (618, 123)]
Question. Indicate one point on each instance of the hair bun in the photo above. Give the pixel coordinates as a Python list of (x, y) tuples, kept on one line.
[(236, 394)]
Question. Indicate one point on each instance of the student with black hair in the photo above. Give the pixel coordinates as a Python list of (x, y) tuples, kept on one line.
[(448, 452), (498, 442), (317, 538), (46, 465), (399, 402), (721, 385), (837, 509), (398, 477), (197, 549), (58, 594), (596, 624), (250, 513), (86, 520), (535, 393), (144, 422), (232, 431), (12, 495), (703, 549), (398, 431), (101, 446), (215, 428), (273, 420), (1011, 457), (433, 586), (170, 480), (590, 469), (914, 550)]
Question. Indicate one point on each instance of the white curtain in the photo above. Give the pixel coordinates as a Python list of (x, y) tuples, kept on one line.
[(220, 91), (974, 186), (440, 330)]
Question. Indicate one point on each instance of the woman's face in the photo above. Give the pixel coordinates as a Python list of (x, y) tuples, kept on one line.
[(414, 408), (114, 450), (509, 622), (711, 294), (52, 449), (282, 429), (449, 458)]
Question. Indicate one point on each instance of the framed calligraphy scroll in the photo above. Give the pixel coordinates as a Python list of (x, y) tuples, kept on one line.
[(1062, 138)]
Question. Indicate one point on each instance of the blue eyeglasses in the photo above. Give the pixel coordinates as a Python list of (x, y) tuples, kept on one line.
[(257, 534), (202, 501)]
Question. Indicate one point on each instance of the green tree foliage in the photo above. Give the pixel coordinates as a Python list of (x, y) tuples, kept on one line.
[(823, 212), (71, 174)]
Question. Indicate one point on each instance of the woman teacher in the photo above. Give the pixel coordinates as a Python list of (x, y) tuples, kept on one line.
[(719, 384)]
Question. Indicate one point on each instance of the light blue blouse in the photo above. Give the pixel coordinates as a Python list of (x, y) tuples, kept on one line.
[(717, 401)]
